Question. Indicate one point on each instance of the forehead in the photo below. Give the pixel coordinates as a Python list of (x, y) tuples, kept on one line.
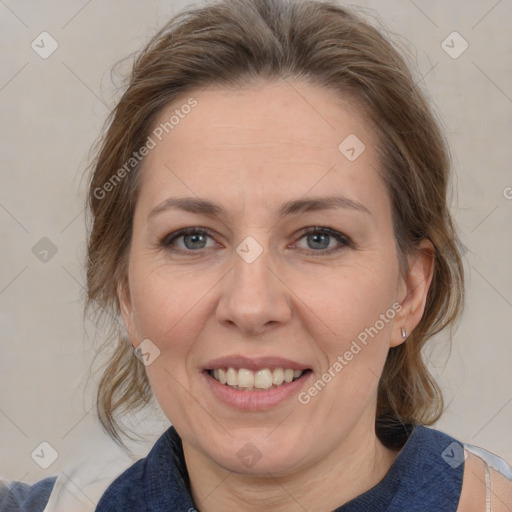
[(269, 138), (276, 114)]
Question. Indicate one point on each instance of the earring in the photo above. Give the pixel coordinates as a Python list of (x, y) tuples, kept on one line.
[(137, 352), (404, 333)]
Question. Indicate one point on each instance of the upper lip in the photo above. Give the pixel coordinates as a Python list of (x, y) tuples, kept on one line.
[(254, 363)]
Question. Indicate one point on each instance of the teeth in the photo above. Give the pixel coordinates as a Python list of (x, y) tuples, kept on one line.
[(245, 378), (288, 375), (248, 380), (263, 379), (232, 377), (278, 377)]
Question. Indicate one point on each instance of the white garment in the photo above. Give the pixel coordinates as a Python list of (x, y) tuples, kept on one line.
[(79, 488), (491, 461), (80, 485)]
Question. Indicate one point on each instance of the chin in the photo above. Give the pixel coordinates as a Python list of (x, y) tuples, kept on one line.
[(260, 455)]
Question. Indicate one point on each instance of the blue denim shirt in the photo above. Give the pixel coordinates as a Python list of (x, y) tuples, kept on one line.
[(425, 477), (22, 497)]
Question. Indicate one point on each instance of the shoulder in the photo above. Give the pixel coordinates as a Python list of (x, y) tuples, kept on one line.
[(485, 478), (77, 486), (23, 497), (466, 478), (127, 491), (433, 460), (487, 484)]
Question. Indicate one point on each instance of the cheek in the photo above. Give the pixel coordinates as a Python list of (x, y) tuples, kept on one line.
[(352, 301), (166, 306), (167, 311), (355, 344), (355, 311)]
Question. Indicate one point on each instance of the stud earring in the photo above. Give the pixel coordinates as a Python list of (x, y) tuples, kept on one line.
[(404, 333)]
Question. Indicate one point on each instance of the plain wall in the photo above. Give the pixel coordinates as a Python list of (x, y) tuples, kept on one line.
[(53, 109)]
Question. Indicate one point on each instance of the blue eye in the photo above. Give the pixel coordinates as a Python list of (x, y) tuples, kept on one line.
[(193, 239), (319, 240)]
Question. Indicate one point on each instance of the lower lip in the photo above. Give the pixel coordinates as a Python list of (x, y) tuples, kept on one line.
[(255, 400)]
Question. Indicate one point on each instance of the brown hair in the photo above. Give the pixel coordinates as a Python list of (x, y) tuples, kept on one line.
[(232, 42)]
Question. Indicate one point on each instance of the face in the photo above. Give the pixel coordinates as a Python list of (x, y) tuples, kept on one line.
[(287, 270)]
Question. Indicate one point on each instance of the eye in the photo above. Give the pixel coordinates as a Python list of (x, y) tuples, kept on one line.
[(319, 240), (324, 240), (187, 240)]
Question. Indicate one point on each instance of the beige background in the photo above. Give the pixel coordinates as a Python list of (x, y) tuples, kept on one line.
[(51, 111)]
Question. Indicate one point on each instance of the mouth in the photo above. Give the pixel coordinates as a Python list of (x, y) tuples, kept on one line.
[(255, 383), (263, 379)]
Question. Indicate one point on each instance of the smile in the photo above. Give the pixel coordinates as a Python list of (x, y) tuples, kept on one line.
[(244, 379)]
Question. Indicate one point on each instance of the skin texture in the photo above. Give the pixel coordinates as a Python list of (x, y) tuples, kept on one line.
[(250, 150), (473, 494)]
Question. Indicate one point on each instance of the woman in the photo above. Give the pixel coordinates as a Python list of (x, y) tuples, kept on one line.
[(269, 218)]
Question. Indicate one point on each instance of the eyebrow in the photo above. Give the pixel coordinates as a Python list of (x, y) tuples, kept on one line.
[(211, 209)]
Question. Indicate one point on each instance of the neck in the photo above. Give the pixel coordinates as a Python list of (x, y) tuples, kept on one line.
[(354, 467)]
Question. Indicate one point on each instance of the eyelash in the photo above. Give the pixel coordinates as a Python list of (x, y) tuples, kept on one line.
[(344, 240)]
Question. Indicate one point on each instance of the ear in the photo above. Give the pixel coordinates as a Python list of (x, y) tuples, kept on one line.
[(413, 290), (125, 303)]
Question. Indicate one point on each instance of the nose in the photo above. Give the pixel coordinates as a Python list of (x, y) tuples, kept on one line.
[(253, 298)]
